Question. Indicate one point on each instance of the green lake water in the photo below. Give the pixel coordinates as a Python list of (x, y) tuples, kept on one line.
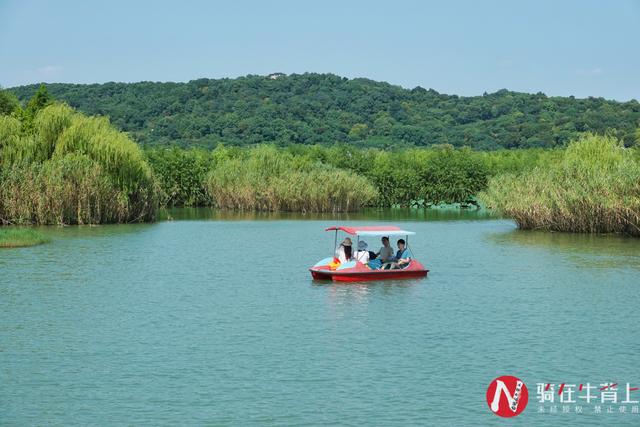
[(212, 319)]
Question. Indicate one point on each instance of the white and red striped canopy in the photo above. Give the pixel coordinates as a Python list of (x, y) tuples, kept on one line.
[(372, 230)]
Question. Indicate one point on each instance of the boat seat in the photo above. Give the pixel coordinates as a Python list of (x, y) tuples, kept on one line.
[(387, 266), (402, 267)]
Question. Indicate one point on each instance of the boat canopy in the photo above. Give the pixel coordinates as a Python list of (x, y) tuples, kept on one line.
[(372, 230)]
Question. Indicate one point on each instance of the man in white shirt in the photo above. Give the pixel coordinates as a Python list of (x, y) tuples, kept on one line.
[(385, 254)]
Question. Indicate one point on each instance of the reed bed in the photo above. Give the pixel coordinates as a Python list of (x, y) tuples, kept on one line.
[(593, 188), (266, 179), (66, 168), (408, 177)]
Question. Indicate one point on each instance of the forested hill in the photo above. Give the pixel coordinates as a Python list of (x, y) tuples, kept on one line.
[(324, 108)]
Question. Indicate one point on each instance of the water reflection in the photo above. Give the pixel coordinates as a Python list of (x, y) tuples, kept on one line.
[(591, 250), (362, 292), (386, 214), (186, 214), (104, 230)]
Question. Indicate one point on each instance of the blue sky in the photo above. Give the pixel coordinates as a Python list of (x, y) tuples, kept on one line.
[(571, 47)]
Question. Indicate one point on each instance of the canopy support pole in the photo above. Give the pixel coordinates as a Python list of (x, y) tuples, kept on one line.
[(335, 244), (407, 240)]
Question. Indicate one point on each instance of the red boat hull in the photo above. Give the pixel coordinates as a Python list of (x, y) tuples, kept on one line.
[(360, 273)]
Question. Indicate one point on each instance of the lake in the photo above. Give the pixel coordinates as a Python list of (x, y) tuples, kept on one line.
[(211, 318)]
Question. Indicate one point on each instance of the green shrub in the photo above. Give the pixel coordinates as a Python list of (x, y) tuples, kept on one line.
[(181, 174)]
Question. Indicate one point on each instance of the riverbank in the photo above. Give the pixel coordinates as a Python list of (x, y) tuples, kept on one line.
[(589, 187), (58, 166), (20, 237)]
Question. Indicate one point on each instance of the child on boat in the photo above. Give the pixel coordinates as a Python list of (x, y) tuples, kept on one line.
[(362, 254)]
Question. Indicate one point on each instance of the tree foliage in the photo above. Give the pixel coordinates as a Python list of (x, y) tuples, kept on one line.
[(58, 166), (325, 109), (8, 102)]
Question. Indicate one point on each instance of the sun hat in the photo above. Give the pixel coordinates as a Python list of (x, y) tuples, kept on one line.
[(346, 242), (362, 245)]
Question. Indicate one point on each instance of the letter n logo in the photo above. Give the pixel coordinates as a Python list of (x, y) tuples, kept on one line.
[(507, 396)]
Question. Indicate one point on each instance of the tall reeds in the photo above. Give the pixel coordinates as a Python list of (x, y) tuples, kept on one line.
[(409, 177), (71, 169), (593, 188), (266, 179)]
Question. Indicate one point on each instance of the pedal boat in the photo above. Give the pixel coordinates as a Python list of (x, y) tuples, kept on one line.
[(355, 271)]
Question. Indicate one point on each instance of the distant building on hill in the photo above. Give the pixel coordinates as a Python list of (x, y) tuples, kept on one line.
[(274, 76)]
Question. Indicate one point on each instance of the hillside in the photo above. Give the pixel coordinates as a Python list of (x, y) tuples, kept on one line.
[(324, 109)]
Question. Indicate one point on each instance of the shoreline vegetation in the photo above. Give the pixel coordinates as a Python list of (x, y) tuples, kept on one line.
[(593, 188), (58, 166), (266, 177), (11, 237)]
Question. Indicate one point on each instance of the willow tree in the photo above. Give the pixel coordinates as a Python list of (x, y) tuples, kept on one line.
[(62, 167), (8, 102)]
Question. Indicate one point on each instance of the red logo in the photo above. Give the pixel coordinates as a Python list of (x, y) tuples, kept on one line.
[(507, 396)]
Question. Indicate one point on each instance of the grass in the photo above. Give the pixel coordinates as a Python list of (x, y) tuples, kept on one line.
[(266, 179), (20, 237), (593, 188)]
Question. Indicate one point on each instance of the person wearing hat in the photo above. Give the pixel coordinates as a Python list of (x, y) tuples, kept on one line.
[(344, 252), (362, 254)]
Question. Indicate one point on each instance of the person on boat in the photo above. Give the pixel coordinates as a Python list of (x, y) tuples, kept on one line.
[(344, 252), (403, 256), (385, 254), (362, 254)]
